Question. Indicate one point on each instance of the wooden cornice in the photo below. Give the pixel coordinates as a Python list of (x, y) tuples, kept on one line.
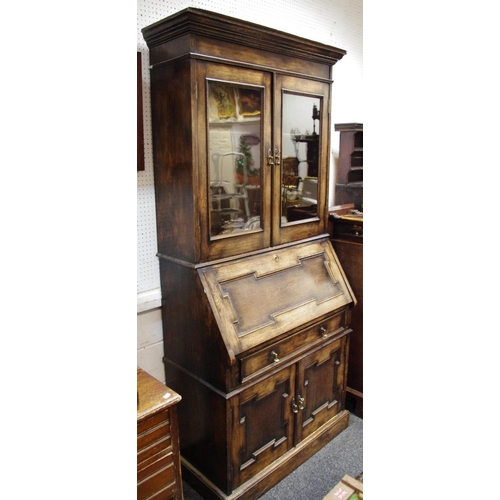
[(204, 23)]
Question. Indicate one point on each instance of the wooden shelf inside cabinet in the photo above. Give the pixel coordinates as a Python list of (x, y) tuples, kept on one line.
[(349, 183), (158, 458)]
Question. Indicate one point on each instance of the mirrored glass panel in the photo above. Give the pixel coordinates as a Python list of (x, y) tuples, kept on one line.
[(300, 157), (234, 153)]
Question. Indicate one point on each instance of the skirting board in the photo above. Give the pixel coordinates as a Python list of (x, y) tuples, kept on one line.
[(148, 300)]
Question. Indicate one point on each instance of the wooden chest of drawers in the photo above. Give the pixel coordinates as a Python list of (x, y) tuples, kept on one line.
[(158, 459)]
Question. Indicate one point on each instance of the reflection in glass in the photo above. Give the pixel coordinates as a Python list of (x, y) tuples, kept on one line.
[(234, 136), (300, 153)]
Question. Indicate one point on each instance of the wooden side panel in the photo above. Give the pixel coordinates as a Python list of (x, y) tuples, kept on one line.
[(350, 253), (173, 165), (191, 335), (203, 426)]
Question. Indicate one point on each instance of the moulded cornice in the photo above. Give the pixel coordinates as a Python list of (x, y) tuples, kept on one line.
[(204, 23)]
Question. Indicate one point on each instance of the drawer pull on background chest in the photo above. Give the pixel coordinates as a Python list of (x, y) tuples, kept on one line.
[(274, 357), (323, 332)]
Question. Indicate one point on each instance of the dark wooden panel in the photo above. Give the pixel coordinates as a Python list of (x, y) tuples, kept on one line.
[(322, 386), (140, 118), (350, 254), (267, 407)]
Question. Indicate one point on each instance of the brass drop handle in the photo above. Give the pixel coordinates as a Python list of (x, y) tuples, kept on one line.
[(296, 407), (270, 158), (301, 402), (274, 356), (323, 332)]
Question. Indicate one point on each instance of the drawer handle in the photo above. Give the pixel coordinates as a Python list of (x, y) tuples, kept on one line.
[(274, 357), (323, 332), (337, 362)]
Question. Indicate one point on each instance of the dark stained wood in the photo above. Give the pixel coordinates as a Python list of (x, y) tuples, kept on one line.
[(140, 119), (256, 323), (347, 240), (184, 54), (158, 456), (249, 38)]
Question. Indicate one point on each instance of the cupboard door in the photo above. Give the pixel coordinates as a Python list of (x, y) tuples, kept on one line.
[(233, 106), (263, 424), (321, 387), (301, 144)]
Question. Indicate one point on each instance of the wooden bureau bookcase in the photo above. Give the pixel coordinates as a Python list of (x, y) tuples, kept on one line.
[(255, 305)]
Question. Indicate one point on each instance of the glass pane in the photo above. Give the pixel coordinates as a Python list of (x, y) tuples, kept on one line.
[(234, 149), (300, 157)]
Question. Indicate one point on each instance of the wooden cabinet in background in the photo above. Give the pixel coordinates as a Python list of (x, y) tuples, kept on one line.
[(158, 458), (255, 306), (346, 235), (349, 183)]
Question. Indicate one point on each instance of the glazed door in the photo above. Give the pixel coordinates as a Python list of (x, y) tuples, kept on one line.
[(233, 112), (263, 424), (301, 143), (320, 387)]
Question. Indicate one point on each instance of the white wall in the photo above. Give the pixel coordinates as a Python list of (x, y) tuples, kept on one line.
[(333, 22)]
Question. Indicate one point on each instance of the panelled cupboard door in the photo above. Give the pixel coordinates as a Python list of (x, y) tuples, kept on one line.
[(273, 416), (301, 140), (263, 424), (320, 388), (233, 109)]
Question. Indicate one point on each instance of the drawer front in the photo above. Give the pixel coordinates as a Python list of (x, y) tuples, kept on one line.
[(281, 351), (154, 451), (154, 439), (148, 456), (161, 483), (149, 432), (153, 421), (146, 469)]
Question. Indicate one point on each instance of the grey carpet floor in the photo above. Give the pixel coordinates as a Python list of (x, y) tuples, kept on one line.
[(318, 475)]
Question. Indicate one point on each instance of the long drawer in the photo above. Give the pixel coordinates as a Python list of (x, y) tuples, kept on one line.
[(272, 355)]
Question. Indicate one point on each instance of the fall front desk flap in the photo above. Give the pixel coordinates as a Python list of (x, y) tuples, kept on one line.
[(258, 298)]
